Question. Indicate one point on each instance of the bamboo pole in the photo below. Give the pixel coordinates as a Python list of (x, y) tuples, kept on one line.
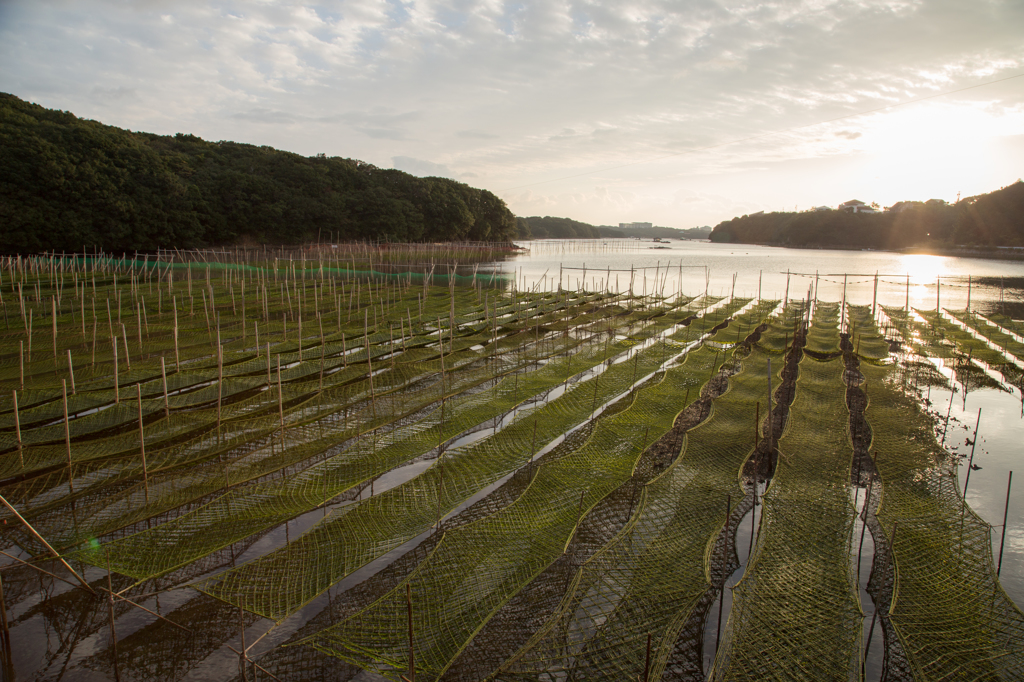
[(1002, 541), (280, 397), (177, 358), (67, 437), (17, 429), (163, 376), (142, 444), (71, 372), (117, 392), (32, 531), (53, 318), (110, 609)]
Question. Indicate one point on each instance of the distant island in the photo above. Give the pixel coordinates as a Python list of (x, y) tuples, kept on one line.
[(993, 221), (548, 227), (68, 183)]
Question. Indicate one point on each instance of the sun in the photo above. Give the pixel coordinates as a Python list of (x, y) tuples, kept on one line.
[(934, 150)]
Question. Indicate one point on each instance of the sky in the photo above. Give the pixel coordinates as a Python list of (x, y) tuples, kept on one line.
[(676, 113)]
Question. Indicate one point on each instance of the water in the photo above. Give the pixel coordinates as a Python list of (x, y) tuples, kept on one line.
[(719, 262)]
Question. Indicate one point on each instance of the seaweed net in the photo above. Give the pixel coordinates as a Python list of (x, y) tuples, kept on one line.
[(949, 611), (823, 334), (649, 578), (983, 328), (279, 583), (253, 508), (477, 568), (867, 341), (47, 495), (798, 598)]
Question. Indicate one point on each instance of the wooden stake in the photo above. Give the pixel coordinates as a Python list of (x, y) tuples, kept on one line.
[(280, 397), (163, 376), (67, 437), (1002, 541), (45, 544), (110, 609), (117, 393), (142, 444), (17, 429), (53, 317)]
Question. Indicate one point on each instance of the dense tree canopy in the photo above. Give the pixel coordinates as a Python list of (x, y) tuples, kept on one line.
[(68, 183), (987, 220)]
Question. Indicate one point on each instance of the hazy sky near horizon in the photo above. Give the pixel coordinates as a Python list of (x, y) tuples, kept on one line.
[(677, 113)]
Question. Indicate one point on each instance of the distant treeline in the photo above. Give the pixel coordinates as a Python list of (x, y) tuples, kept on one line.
[(548, 227), (986, 220), (68, 183)]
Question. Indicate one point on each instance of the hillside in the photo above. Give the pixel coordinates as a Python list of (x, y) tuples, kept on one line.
[(548, 227), (68, 183), (987, 220)]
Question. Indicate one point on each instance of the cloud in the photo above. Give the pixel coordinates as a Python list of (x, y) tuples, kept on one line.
[(475, 135), (117, 94), (557, 97), (260, 115)]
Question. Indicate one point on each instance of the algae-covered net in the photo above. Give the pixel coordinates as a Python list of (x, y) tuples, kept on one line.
[(949, 611), (648, 579), (802, 555), (279, 583), (477, 568)]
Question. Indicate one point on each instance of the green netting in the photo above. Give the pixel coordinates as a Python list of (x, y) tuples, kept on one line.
[(477, 568), (949, 611), (867, 341), (359, 534), (648, 579), (797, 601), (253, 508), (984, 328), (823, 334), (941, 331), (254, 448)]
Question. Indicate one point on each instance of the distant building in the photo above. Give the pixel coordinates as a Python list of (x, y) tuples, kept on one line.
[(855, 206), (635, 226), (821, 208)]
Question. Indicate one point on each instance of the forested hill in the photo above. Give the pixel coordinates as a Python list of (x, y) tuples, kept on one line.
[(986, 220), (68, 183)]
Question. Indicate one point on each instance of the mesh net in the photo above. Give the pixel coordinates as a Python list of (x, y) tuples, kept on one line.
[(949, 611), (477, 568), (802, 555), (650, 577), (361, 533)]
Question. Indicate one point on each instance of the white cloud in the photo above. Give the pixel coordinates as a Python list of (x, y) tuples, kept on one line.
[(645, 99)]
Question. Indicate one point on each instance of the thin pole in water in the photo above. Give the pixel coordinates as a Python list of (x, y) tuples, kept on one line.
[(725, 561), (142, 444), (67, 438), (1006, 511), (110, 610), (970, 461)]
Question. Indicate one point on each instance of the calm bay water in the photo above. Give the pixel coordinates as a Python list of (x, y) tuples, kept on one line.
[(946, 281)]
